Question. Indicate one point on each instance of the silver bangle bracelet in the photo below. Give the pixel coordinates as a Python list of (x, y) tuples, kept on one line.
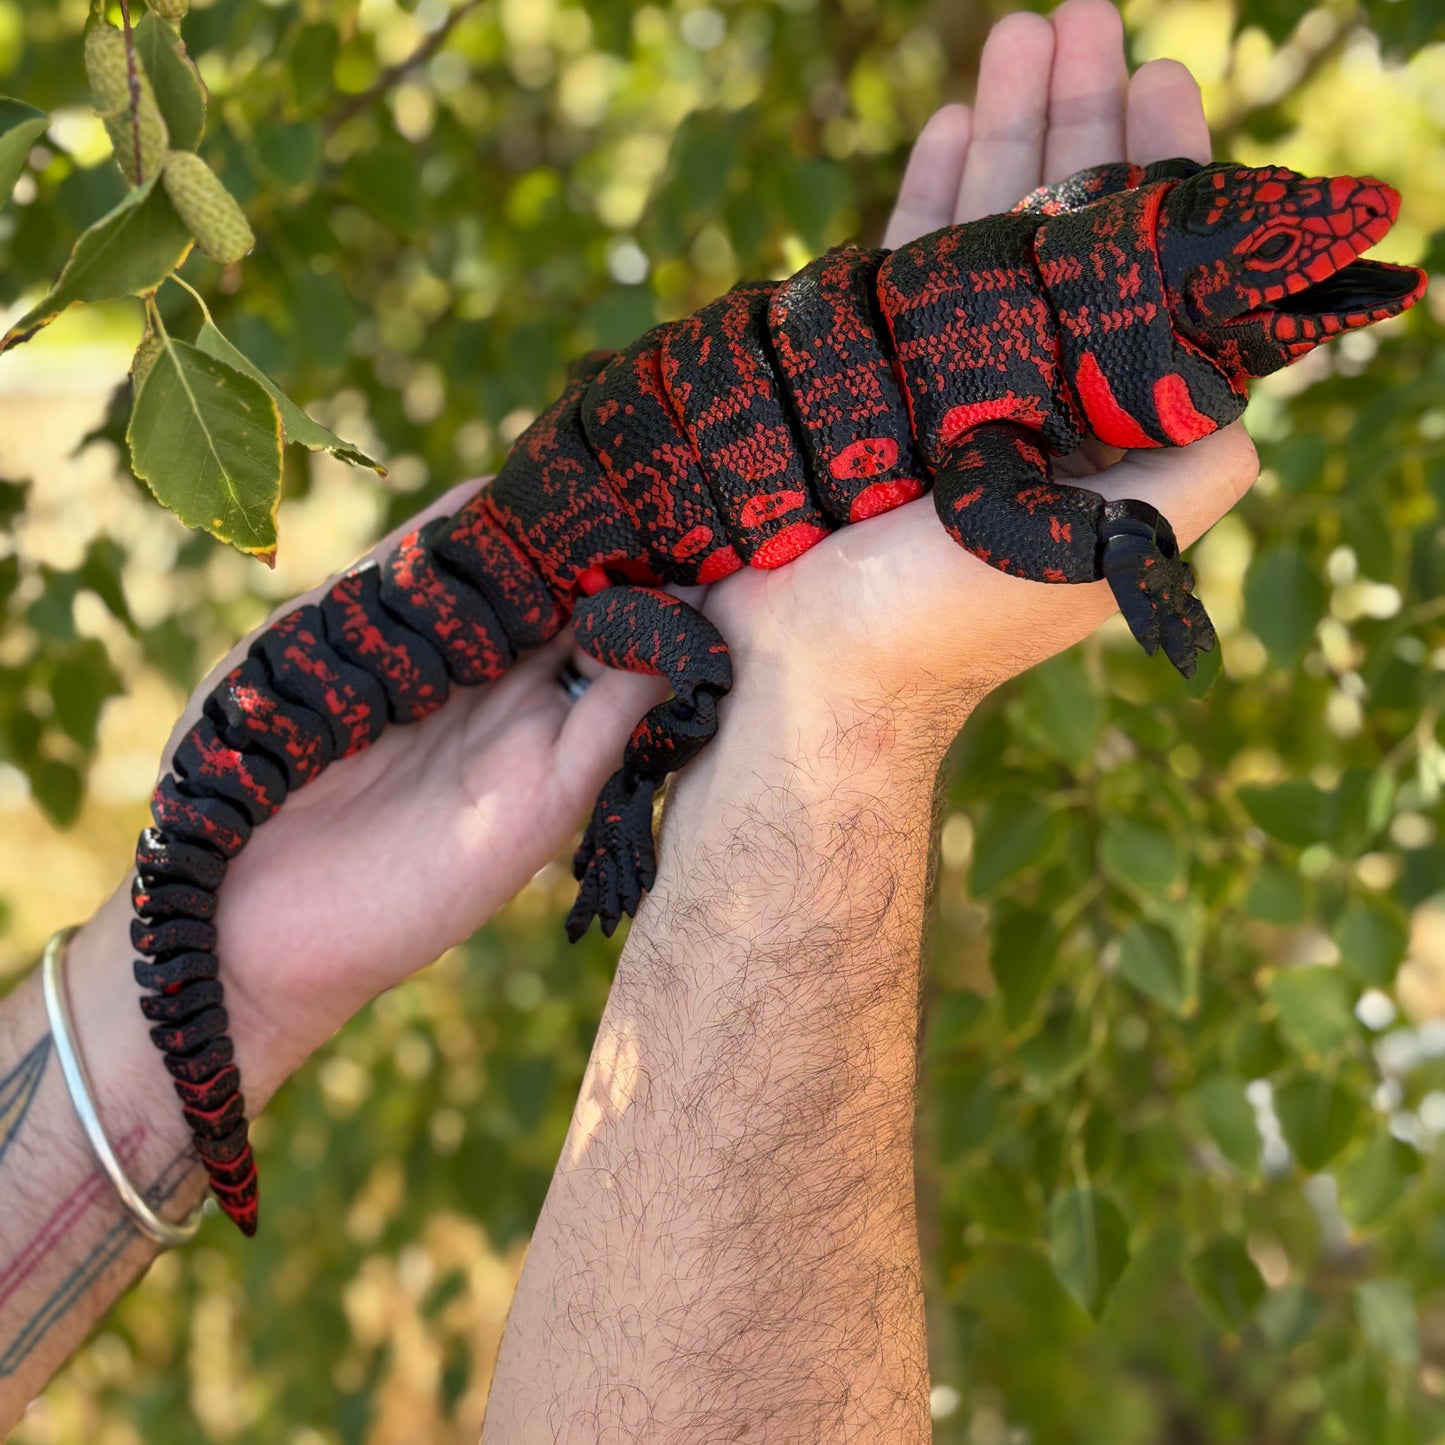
[(63, 1032)]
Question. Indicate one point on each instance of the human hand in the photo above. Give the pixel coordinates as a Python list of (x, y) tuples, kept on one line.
[(893, 609), (389, 858), (383, 862)]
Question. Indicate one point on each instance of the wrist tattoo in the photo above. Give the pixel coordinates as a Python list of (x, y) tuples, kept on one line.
[(25, 1324)]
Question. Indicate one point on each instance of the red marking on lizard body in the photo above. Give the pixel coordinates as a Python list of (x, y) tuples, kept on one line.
[(1181, 419), (883, 497), (1111, 423), (791, 542)]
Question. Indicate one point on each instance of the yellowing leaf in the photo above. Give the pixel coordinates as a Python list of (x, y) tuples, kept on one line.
[(206, 439), (128, 252)]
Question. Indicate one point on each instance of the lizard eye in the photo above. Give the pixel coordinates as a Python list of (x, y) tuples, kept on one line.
[(1274, 248)]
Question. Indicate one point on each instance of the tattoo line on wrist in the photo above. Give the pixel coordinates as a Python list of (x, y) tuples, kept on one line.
[(19, 1089), (94, 1263)]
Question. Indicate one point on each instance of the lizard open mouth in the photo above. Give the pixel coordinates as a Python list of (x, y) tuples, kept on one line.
[(1356, 295)]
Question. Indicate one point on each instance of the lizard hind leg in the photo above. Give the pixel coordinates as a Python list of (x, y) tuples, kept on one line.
[(996, 498), (640, 629)]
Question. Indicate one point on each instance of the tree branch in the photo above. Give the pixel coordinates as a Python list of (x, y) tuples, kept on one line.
[(394, 73), (132, 71)]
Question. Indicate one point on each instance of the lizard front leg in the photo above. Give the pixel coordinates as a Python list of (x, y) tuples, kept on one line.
[(995, 495), (640, 629)]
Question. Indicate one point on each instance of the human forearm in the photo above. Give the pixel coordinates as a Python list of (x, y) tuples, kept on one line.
[(729, 1242), (67, 1246)]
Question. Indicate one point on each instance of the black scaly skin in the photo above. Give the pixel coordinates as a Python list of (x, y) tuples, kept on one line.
[(1132, 305)]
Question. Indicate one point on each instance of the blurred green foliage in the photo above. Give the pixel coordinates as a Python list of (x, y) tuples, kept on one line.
[(1183, 1059)]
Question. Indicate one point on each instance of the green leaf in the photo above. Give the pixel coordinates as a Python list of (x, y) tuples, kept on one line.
[(1138, 855), (1253, 1048), (1017, 831), (101, 573), (1059, 1048), (1295, 812), (1317, 1117), (1316, 1008), (81, 684), (311, 62), (1288, 1315), (1298, 460), (383, 178), (1385, 1309), (1208, 669), (1062, 710), (21, 126), (1277, 895), (998, 1198), (298, 427), (1376, 1182), (1227, 1280), (967, 1110), (1372, 935), (1229, 1117), (814, 190), (52, 614), (1089, 1245), (126, 253), (1359, 1407), (290, 152), (58, 789), (14, 497), (1284, 600), (1362, 804), (180, 92), (952, 1021), (1151, 960), (206, 439), (1021, 959)]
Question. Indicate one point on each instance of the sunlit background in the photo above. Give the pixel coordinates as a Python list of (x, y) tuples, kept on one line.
[(1189, 953)]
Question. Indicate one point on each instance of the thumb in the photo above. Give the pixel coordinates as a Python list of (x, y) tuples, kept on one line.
[(1193, 487)]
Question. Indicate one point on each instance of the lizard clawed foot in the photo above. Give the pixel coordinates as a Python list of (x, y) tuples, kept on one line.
[(1153, 585), (615, 863)]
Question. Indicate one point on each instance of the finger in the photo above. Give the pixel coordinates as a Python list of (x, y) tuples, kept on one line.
[(1087, 86), (1010, 114), (1165, 115), (598, 724), (1193, 486), (601, 720), (931, 180)]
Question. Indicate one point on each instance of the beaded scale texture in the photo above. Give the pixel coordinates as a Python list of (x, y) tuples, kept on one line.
[(1129, 304)]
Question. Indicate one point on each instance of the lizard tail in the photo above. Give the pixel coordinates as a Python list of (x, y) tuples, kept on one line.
[(451, 604)]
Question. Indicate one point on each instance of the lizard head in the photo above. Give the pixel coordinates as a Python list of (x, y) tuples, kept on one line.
[(1260, 266)]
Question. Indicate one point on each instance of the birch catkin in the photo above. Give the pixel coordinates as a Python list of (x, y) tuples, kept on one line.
[(108, 69), (207, 207)]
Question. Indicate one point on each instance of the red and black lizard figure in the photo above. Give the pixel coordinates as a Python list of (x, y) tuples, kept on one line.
[(1133, 305)]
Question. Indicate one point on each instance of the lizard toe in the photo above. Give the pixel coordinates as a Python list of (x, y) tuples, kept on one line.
[(616, 862), (1154, 588)]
